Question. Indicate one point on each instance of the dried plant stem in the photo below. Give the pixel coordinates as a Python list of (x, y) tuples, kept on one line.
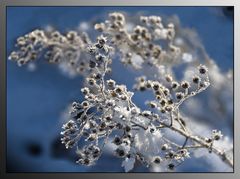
[(202, 143)]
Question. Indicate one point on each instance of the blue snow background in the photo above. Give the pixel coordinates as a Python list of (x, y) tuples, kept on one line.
[(36, 100)]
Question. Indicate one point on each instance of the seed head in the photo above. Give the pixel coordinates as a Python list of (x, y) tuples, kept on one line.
[(185, 85), (179, 95), (168, 78), (196, 79), (157, 160), (202, 69)]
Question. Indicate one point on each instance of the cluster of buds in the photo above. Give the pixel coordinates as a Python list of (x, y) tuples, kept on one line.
[(30, 45), (142, 40), (88, 155), (55, 47), (168, 97)]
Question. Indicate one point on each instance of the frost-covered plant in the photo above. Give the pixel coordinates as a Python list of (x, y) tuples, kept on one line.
[(108, 114)]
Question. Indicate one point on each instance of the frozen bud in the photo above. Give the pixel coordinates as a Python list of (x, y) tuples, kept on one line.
[(154, 19), (69, 124), (111, 83), (97, 76), (100, 27), (170, 154), (33, 55), (171, 166), (148, 84), (184, 153), (84, 117), (92, 137), (141, 79), (179, 95), (70, 144), (128, 55), (152, 129), (165, 147), (76, 105), (208, 140), (170, 101), (110, 103), (146, 113), (173, 48), (168, 78), (129, 135), (203, 84), (118, 90), (185, 85), (158, 92), (111, 125), (120, 152), (137, 29), (39, 33), (171, 25), (21, 62), (92, 64), (166, 92), (196, 79), (156, 86), (216, 135), (134, 110), (113, 93), (120, 17), (157, 160), (168, 108), (158, 97), (103, 125), (152, 104), (55, 35), (113, 16), (155, 115), (86, 161), (202, 69), (134, 37), (143, 19), (85, 90), (32, 38), (91, 81), (96, 153), (101, 40), (156, 51), (71, 35), (13, 56), (142, 87), (21, 41), (100, 58), (127, 128), (108, 118), (92, 49), (94, 130), (147, 54), (85, 104), (109, 70), (174, 85), (163, 102), (119, 126), (65, 139)]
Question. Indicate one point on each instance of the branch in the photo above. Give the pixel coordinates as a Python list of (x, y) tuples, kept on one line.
[(202, 143)]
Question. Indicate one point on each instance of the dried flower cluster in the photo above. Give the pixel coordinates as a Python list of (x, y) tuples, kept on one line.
[(108, 114), (141, 46)]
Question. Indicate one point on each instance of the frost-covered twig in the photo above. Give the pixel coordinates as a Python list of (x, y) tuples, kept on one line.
[(108, 110)]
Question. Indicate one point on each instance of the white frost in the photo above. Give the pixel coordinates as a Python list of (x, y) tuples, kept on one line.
[(128, 164)]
